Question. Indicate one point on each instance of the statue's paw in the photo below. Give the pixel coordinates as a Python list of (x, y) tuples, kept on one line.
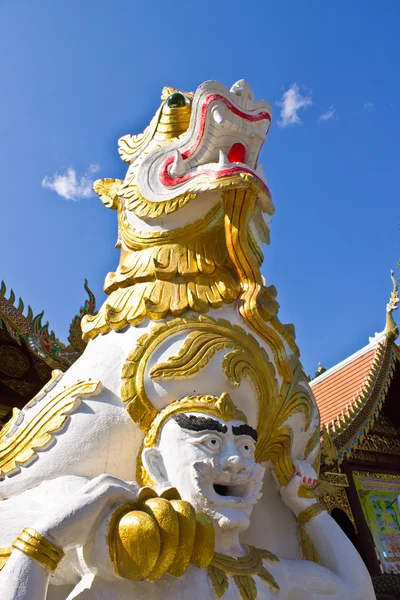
[(158, 535), (299, 493)]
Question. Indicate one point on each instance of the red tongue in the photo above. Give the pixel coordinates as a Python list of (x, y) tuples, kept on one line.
[(237, 153)]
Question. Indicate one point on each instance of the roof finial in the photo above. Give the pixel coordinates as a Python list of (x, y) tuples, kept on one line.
[(392, 330), (319, 371)]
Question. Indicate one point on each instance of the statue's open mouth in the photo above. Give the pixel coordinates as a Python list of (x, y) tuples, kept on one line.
[(238, 491), (227, 142), (229, 489)]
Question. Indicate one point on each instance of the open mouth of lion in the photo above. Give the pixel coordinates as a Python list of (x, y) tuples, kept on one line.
[(239, 137)]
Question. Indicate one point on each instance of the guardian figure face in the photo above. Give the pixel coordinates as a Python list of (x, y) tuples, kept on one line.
[(212, 465)]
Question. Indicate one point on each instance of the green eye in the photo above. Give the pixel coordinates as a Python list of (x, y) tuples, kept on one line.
[(176, 100)]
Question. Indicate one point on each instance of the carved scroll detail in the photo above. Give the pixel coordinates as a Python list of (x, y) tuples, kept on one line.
[(206, 336), (20, 441)]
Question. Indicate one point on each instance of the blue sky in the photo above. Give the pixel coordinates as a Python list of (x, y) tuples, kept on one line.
[(77, 75)]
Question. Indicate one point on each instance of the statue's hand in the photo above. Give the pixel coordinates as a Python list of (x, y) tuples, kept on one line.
[(172, 532), (72, 521), (298, 493)]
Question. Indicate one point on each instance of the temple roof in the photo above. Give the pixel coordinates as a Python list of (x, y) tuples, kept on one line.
[(29, 351), (337, 388), (350, 395)]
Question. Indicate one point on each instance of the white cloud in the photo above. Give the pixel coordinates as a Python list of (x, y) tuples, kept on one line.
[(368, 105), (329, 114), (292, 101), (71, 187)]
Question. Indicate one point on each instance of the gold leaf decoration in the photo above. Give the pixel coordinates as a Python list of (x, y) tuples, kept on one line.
[(238, 364), (219, 580), (158, 299), (313, 442), (197, 350), (294, 398), (135, 240), (256, 306), (10, 423), (21, 442), (166, 273), (246, 586), (308, 550), (107, 190), (267, 555), (242, 569), (154, 210), (206, 336), (5, 554), (249, 360), (130, 147), (142, 207), (268, 578), (277, 448)]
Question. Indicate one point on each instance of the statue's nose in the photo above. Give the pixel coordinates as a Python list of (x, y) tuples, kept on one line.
[(233, 464), (243, 93)]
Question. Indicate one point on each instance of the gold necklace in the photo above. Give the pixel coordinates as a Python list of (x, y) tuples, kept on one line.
[(241, 568)]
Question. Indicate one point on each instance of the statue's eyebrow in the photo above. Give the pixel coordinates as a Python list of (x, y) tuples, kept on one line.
[(245, 430), (194, 423)]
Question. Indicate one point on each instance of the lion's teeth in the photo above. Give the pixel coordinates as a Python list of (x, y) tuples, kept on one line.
[(223, 160), (177, 168)]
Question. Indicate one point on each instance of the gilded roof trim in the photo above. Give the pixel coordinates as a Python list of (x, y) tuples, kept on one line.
[(43, 343), (353, 424)]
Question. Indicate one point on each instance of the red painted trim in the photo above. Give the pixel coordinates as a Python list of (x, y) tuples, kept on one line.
[(168, 181), (261, 116)]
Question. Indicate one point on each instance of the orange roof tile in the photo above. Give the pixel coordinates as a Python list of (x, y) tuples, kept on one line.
[(335, 389)]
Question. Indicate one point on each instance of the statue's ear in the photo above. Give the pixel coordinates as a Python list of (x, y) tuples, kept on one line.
[(154, 464), (108, 189)]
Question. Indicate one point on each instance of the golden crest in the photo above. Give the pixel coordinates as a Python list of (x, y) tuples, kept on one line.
[(247, 358)]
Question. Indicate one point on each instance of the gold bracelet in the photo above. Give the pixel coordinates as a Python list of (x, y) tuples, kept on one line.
[(310, 512), (35, 545)]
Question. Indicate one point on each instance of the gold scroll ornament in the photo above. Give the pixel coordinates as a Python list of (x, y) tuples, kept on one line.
[(166, 273), (247, 358), (19, 442), (256, 305), (197, 267)]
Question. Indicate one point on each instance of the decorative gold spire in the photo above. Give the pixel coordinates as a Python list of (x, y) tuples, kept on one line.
[(392, 331)]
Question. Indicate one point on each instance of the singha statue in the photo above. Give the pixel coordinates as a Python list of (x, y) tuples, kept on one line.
[(177, 458)]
